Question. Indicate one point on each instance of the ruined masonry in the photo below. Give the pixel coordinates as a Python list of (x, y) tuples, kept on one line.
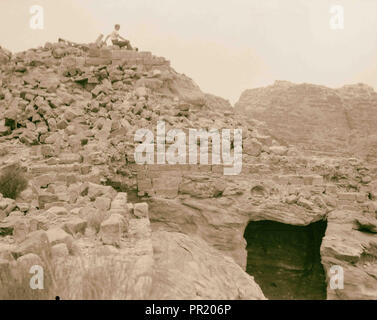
[(68, 117)]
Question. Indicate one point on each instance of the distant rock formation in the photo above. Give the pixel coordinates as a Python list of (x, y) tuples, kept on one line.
[(313, 117)]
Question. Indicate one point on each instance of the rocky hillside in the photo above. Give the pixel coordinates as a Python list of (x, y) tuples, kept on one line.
[(102, 226), (316, 118)]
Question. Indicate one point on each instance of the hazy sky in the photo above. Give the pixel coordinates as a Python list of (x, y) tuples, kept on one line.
[(225, 46)]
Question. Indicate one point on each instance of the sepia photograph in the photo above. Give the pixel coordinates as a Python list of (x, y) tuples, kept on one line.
[(202, 150)]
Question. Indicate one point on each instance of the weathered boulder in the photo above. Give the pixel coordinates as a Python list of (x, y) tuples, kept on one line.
[(58, 235), (253, 148), (141, 210), (5, 56), (188, 268), (58, 211), (102, 203), (367, 223)]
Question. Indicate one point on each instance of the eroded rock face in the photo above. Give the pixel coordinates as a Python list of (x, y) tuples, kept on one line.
[(69, 114), (222, 221), (354, 250), (5, 56), (285, 260)]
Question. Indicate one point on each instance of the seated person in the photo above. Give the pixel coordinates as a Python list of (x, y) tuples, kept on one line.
[(118, 40)]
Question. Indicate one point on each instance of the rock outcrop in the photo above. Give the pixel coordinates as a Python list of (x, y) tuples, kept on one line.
[(316, 118), (68, 118), (122, 230)]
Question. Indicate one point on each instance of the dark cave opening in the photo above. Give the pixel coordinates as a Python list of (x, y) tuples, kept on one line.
[(285, 260)]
